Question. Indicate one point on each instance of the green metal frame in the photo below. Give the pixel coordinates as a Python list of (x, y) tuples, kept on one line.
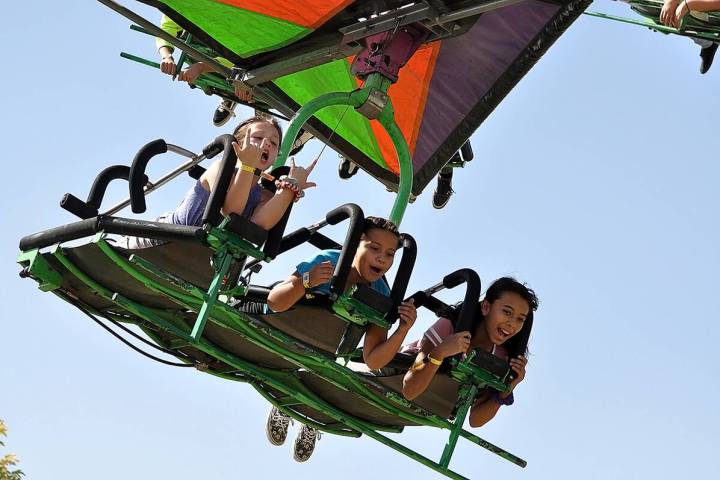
[(375, 82), (690, 27), (266, 380)]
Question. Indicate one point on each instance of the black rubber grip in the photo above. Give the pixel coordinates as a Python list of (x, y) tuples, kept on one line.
[(246, 229), (352, 240), (472, 296), (349, 210), (138, 179), (121, 226), (457, 277), (223, 143), (402, 278), (99, 186), (77, 207), (273, 243), (196, 172), (323, 242)]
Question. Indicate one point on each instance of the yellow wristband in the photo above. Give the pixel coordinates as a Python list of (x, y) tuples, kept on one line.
[(248, 168), (434, 361)]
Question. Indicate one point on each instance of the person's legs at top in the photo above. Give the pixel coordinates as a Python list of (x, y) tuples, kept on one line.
[(708, 48), (444, 190), (224, 112)]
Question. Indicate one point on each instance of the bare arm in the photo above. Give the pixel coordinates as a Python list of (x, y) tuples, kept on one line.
[(418, 378), (421, 374), (269, 214), (378, 350), (486, 407), (238, 190), (483, 411), (286, 294)]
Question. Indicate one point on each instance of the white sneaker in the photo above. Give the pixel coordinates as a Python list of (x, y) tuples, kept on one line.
[(276, 427), (305, 443)]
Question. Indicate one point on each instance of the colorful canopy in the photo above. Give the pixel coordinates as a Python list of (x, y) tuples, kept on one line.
[(443, 94)]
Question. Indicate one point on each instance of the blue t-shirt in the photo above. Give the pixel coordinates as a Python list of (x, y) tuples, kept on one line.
[(333, 256)]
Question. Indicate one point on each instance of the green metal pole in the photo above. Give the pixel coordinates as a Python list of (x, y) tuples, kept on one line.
[(406, 171), (304, 114), (655, 26), (468, 393), (225, 261)]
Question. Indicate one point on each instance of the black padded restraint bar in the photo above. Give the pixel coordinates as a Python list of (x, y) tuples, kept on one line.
[(223, 143), (91, 206), (121, 226), (138, 179), (472, 295), (399, 287), (352, 240)]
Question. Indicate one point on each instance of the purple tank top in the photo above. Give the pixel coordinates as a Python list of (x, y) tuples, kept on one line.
[(191, 209)]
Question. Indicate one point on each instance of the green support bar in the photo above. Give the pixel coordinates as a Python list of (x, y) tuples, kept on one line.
[(225, 261), (468, 393), (293, 392), (660, 27), (355, 99)]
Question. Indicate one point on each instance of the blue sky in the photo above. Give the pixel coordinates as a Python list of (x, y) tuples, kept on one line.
[(595, 181)]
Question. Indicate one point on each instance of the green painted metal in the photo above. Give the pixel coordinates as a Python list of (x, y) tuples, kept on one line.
[(304, 114), (465, 372), (293, 391), (306, 85), (659, 27), (420, 416), (404, 161), (347, 308), (206, 82), (467, 393), (223, 260), (220, 239), (38, 268), (374, 82)]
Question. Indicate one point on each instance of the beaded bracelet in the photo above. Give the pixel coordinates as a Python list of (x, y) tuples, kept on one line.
[(289, 183)]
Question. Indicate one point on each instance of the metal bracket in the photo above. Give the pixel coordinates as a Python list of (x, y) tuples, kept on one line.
[(374, 105)]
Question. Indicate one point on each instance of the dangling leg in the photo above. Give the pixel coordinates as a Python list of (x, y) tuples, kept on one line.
[(347, 169), (707, 53), (444, 190), (224, 112)]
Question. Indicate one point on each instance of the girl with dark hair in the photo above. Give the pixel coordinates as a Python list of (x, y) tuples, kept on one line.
[(502, 326)]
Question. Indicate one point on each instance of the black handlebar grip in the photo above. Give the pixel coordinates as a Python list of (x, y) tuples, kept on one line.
[(349, 210), (196, 172), (77, 207), (137, 173), (472, 295), (402, 278), (352, 240), (218, 191)]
